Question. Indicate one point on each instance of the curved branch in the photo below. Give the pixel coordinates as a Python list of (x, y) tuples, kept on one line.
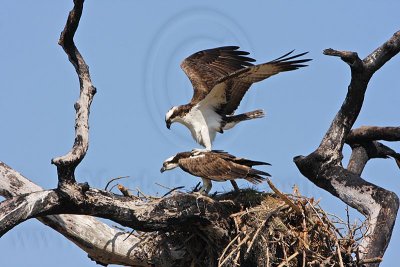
[(361, 72), (324, 168), (20, 208), (383, 54), (365, 146), (166, 214), (373, 133), (363, 152), (184, 211), (103, 244), (66, 164)]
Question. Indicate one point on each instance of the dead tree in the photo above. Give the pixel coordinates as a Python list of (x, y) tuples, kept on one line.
[(161, 223), (324, 166)]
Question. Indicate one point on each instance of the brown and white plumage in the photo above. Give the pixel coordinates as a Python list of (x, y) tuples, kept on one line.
[(215, 165), (220, 78)]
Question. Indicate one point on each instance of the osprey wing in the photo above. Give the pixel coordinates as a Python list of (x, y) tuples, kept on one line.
[(213, 166), (242, 161), (229, 91), (204, 68)]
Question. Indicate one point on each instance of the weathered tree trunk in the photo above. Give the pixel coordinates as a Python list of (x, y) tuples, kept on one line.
[(324, 167)]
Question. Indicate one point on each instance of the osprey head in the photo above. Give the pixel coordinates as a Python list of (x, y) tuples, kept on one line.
[(170, 163), (171, 116)]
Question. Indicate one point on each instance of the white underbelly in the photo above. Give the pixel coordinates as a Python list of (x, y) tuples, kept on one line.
[(203, 125)]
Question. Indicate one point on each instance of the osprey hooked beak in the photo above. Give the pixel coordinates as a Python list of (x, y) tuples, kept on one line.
[(168, 124), (169, 164)]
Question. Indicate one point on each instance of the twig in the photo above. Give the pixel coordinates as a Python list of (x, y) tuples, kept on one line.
[(114, 179), (339, 253), (371, 260), (329, 222), (140, 192), (247, 211), (112, 187), (172, 190), (130, 233), (286, 262), (196, 188), (284, 198), (163, 186), (227, 247), (304, 237), (348, 221), (233, 251), (235, 261), (254, 238), (284, 252)]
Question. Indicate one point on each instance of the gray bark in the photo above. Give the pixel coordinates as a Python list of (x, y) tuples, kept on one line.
[(103, 243), (324, 166)]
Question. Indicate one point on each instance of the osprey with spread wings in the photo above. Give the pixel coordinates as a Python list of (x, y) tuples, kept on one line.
[(220, 78)]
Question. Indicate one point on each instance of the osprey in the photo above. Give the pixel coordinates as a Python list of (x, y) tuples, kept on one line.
[(220, 78), (215, 165)]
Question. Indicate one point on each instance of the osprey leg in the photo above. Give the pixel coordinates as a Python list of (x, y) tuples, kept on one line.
[(206, 186), (231, 121), (235, 186)]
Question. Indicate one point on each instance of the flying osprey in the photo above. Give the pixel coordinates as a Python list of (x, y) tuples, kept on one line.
[(215, 165), (220, 78)]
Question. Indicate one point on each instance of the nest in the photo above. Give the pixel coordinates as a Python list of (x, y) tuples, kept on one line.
[(272, 229), (291, 230)]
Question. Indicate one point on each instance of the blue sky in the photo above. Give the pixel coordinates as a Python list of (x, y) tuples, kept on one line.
[(134, 49)]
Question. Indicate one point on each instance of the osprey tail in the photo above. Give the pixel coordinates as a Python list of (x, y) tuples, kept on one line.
[(231, 121), (255, 177)]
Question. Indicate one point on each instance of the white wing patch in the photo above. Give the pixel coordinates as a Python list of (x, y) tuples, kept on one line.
[(195, 155), (215, 98)]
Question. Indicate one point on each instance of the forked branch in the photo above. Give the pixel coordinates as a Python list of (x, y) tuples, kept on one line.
[(363, 152), (324, 166), (104, 244)]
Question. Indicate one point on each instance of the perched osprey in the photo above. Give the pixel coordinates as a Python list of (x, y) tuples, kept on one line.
[(220, 78), (215, 165)]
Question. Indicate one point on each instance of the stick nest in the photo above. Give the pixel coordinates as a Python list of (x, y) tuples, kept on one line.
[(291, 230), (266, 229)]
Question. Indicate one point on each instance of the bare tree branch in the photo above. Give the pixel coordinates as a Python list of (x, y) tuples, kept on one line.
[(365, 146), (164, 214), (324, 168), (361, 73), (18, 209), (373, 133), (103, 244), (66, 164), (363, 152)]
